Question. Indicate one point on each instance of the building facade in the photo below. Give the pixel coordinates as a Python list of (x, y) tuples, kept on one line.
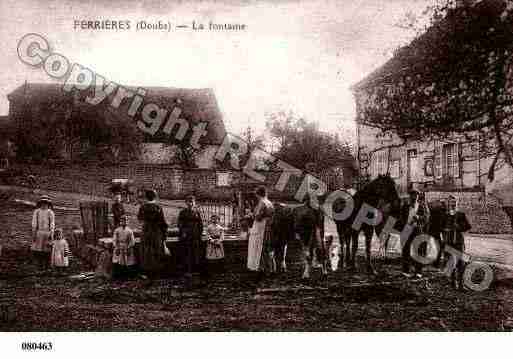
[(45, 112), (446, 164), (407, 109)]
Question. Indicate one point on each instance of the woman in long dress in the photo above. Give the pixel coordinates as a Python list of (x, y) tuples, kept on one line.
[(43, 226), (259, 256), (154, 234), (190, 226)]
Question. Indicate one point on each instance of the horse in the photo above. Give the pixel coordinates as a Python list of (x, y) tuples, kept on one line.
[(381, 194), (282, 234), (302, 221), (309, 227)]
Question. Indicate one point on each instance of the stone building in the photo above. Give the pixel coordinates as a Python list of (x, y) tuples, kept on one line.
[(435, 79), (454, 161), (34, 106)]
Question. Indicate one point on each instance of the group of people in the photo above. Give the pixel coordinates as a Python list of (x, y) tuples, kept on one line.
[(445, 223), (273, 227), (49, 247), (198, 256)]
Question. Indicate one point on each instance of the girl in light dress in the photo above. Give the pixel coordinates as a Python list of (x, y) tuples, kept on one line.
[(123, 257), (60, 250), (215, 248), (43, 226)]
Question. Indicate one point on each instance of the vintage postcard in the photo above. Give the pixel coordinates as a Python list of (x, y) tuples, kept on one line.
[(255, 166)]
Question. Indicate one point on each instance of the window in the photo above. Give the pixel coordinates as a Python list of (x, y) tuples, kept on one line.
[(395, 169), (379, 162), (413, 165), (429, 167), (223, 179), (450, 160)]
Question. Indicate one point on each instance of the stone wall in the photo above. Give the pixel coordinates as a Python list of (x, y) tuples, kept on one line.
[(170, 182)]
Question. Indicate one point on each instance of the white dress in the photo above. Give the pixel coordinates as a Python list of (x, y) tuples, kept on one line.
[(257, 234), (123, 247), (43, 225), (215, 248), (60, 253)]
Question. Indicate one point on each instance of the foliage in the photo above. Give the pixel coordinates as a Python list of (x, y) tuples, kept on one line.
[(457, 78), (253, 142), (301, 143), (185, 155), (50, 129)]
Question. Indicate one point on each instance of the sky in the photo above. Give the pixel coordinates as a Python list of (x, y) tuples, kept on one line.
[(301, 56)]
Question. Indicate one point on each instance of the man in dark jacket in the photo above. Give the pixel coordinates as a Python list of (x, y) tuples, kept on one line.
[(455, 223), (435, 228)]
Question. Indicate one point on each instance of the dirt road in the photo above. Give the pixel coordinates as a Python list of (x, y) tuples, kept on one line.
[(232, 300)]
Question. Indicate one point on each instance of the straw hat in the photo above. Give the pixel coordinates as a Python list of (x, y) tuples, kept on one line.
[(44, 199)]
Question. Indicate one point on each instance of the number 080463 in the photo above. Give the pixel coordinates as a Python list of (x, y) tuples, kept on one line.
[(36, 346)]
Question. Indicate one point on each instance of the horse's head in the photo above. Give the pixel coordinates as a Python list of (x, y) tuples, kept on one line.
[(384, 194)]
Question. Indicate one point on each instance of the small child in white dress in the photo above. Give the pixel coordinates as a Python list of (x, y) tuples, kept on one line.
[(334, 251), (60, 250), (215, 248), (123, 256)]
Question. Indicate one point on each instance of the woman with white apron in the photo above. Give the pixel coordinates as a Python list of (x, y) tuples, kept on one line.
[(43, 226), (260, 234)]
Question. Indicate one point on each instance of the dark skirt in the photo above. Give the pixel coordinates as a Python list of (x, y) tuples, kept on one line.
[(152, 249)]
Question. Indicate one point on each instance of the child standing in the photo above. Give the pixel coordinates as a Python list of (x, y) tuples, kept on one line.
[(215, 249), (334, 251), (60, 250), (123, 257), (43, 226)]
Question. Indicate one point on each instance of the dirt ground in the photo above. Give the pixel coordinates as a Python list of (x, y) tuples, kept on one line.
[(231, 300)]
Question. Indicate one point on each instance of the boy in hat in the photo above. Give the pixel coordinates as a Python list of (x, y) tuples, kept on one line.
[(43, 227)]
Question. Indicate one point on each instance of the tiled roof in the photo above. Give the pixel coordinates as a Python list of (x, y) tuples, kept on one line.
[(197, 105)]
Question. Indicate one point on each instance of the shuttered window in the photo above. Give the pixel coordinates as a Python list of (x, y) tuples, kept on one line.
[(450, 160), (223, 179), (379, 163)]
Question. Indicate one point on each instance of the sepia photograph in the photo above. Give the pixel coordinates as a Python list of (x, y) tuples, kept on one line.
[(255, 166)]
